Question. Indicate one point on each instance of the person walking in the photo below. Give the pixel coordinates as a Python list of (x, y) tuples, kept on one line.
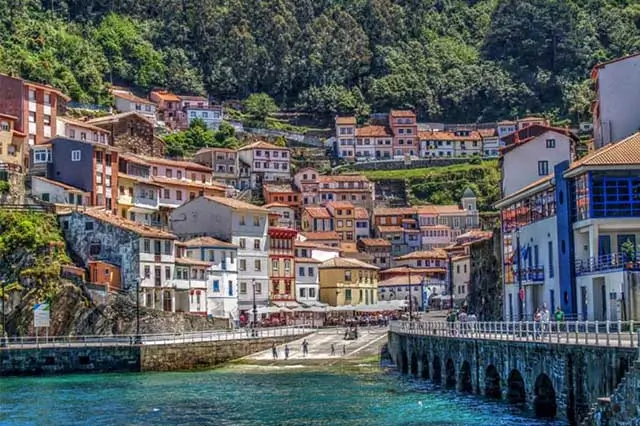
[(333, 349), (545, 319), (344, 350), (536, 323), (305, 348), (274, 351), (286, 352), (559, 314)]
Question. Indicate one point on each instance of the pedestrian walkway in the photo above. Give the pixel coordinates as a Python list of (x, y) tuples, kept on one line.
[(369, 342)]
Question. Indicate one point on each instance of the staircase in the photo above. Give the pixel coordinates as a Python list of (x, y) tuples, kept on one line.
[(244, 195)]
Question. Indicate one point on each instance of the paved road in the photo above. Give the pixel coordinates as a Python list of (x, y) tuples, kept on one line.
[(369, 342)]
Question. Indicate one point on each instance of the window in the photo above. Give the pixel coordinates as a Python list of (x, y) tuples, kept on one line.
[(216, 286), (83, 136), (258, 287), (347, 294), (179, 195), (347, 275), (242, 220), (243, 243), (257, 265), (242, 265), (169, 173), (75, 155), (243, 288), (310, 271), (47, 120), (167, 247), (147, 271), (146, 246), (4, 126), (550, 249), (230, 288), (301, 271), (303, 292), (41, 156), (256, 244), (179, 174), (551, 143), (275, 265), (32, 95), (312, 293), (32, 117), (167, 272), (543, 168), (88, 226), (256, 221), (212, 255)]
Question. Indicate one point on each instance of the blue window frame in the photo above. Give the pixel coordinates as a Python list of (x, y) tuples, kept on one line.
[(230, 292), (216, 285), (615, 196)]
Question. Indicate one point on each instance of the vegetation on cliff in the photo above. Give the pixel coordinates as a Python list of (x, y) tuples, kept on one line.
[(455, 60), (445, 185)]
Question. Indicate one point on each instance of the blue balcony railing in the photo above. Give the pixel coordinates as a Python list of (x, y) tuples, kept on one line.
[(607, 263), (533, 275)]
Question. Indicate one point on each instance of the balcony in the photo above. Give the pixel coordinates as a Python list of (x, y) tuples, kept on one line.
[(608, 263), (533, 275)]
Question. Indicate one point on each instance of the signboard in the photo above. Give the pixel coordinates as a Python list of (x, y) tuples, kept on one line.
[(41, 315)]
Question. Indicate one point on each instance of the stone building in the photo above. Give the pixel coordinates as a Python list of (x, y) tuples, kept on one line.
[(485, 293), (132, 132)]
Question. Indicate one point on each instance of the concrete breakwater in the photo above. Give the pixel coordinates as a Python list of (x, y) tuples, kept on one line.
[(133, 358)]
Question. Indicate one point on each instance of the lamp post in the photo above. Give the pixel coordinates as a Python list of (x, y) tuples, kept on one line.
[(255, 309), (520, 291), (410, 297), (138, 338), (3, 337), (450, 264)]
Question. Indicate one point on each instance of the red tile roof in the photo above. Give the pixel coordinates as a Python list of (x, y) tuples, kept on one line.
[(340, 204), (306, 260), (188, 165), (207, 242), (236, 204), (403, 113), (373, 132), (394, 211), (449, 136), (343, 178), (375, 242), (262, 145), (362, 213), (278, 188), (314, 245), (392, 228), (317, 212), (131, 97), (102, 215), (321, 236), (345, 120), (530, 133), (60, 184), (622, 153), (192, 262), (425, 254), (166, 96)]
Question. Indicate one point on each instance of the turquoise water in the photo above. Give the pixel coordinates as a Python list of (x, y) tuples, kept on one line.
[(245, 397)]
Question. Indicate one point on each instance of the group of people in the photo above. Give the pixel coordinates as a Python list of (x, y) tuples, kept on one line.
[(542, 320), (305, 350)]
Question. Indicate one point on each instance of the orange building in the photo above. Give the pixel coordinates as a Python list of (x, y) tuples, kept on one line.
[(105, 274), (281, 193)]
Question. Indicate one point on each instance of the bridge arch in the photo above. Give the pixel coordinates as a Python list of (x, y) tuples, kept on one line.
[(437, 370), (425, 367), (404, 363), (414, 364), (544, 403), (516, 393), (492, 383), (465, 378), (450, 368)]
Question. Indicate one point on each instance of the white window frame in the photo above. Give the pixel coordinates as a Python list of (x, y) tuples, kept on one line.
[(76, 155)]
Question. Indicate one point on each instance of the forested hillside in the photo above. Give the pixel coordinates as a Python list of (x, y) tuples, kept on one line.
[(453, 60)]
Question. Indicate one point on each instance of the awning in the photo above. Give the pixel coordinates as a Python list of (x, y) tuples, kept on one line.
[(287, 304)]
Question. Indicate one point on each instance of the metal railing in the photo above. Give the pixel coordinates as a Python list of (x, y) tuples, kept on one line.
[(588, 333), (156, 339), (607, 262)]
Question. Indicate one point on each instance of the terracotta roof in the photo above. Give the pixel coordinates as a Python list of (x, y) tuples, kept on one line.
[(407, 270), (401, 280), (362, 213), (317, 212), (83, 124), (476, 233), (345, 120), (132, 158), (348, 246), (402, 113), (143, 230), (60, 184), (346, 263), (532, 118), (343, 178), (188, 183), (193, 98), (314, 245), (373, 132), (278, 188), (214, 149), (488, 133), (140, 179), (622, 153), (166, 96), (462, 257), (449, 136), (116, 117), (192, 262), (340, 205), (188, 165), (394, 211), (425, 254), (271, 205), (506, 123), (44, 87), (429, 227), (448, 209), (236, 204), (427, 209), (306, 260), (130, 97), (320, 236), (207, 242), (530, 133), (392, 228), (262, 145), (375, 242)]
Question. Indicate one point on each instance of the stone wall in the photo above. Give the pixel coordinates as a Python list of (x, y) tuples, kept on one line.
[(402, 164), (188, 356), (485, 283), (563, 378), (623, 407)]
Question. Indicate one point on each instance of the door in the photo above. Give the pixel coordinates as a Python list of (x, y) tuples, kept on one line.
[(552, 298), (511, 307), (604, 245), (604, 299), (583, 301)]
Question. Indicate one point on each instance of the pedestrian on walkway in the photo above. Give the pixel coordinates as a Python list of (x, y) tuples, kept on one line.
[(333, 349), (305, 348), (344, 350), (274, 351), (286, 352)]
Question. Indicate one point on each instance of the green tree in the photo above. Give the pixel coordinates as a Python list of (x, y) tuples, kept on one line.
[(260, 105)]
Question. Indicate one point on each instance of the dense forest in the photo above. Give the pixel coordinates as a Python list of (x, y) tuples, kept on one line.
[(453, 60)]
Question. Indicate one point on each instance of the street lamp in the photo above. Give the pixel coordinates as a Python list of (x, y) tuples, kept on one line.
[(255, 309), (450, 264), (410, 297), (3, 337), (138, 339), (520, 291)]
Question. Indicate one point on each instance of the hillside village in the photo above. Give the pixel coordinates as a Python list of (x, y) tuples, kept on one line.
[(233, 229)]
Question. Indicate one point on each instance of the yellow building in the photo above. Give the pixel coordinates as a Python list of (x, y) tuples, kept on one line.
[(138, 199), (344, 219), (346, 281), (11, 142)]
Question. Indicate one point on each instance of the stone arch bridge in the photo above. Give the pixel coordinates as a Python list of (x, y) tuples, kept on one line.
[(560, 379)]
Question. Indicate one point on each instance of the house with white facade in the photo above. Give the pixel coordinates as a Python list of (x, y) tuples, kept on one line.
[(81, 131), (211, 115), (491, 143), (241, 224), (222, 273), (532, 153), (373, 142), (615, 110), (125, 101), (265, 163), (307, 280), (317, 251), (283, 216), (345, 140), (190, 281), (306, 181)]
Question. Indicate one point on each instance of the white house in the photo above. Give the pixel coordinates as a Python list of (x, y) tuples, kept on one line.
[(373, 142), (307, 281), (58, 193), (128, 102), (345, 140), (265, 163), (211, 115), (190, 283), (284, 215), (532, 153), (222, 274), (242, 224), (316, 251), (491, 143), (615, 111)]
